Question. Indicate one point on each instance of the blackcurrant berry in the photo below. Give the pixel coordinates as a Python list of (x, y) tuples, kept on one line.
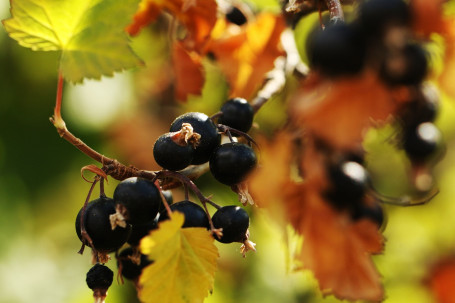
[(376, 15), (235, 15), (171, 155), (99, 277), (139, 231), (230, 163), (423, 108), (98, 226), (204, 126), (337, 50), (195, 215), (140, 200), (130, 269), (409, 67), (234, 221), (422, 141), (348, 184), (373, 212), (238, 114)]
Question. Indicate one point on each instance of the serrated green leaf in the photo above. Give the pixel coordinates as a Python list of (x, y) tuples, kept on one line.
[(185, 261), (89, 33)]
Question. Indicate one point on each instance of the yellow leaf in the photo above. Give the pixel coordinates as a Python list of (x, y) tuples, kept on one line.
[(185, 261)]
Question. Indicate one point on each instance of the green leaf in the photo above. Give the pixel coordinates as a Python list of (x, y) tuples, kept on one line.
[(185, 261), (89, 33)]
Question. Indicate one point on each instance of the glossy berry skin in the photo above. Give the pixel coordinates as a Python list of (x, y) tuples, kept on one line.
[(131, 270), (422, 141), (337, 50), (195, 215), (234, 221), (140, 198), (238, 114), (170, 155), (230, 163), (373, 212), (414, 70), (138, 231), (203, 125), (235, 15), (99, 277), (98, 226), (348, 184), (376, 15)]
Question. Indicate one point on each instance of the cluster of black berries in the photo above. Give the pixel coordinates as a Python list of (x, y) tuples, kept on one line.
[(194, 139), (380, 38), (135, 210), (138, 205)]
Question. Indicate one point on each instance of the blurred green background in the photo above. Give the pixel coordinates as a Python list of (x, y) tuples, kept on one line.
[(41, 190)]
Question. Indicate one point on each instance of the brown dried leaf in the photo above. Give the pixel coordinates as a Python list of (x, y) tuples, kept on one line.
[(197, 17), (331, 111), (189, 77), (336, 249), (245, 57)]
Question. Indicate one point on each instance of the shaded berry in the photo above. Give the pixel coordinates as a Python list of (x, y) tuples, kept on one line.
[(98, 226), (234, 221), (230, 163), (140, 198)]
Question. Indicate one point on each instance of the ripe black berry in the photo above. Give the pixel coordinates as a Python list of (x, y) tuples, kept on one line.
[(235, 15), (423, 108), (373, 212), (171, 155), (408, 67), (238, 114), (230, 163), (337, 50), (422, 141), (376, 15), (234, 221), (195, 215), (130, 269), (99, 277), (349, 181), (140, 199), (204, 126), (98, 226), (139, 231)]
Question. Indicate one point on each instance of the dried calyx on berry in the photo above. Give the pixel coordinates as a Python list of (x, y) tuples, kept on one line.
[(176, 150), (97, 223), (233, 221), (99, 279), (204, 126)]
